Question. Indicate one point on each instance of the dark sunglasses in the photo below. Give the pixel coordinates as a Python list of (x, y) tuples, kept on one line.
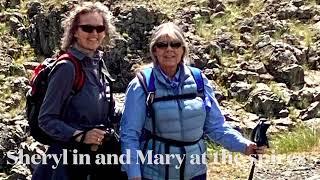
[(163, 45), (89, 28)]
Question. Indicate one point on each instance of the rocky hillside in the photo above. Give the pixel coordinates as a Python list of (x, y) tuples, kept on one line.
[(262, 56)]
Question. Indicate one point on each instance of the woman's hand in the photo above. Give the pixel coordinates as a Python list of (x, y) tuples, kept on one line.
[(252, 148), (94, 137)]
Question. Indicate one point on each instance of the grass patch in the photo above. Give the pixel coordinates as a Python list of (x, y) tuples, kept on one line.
[(167, 7), (300, 139), (311, 2), (303, 31), (170, 7), (5, 94), (228, 59), (204, 29), (53, 3), (232, 13), (13, 109), (27, 54), (23, 6), (293, 113), (25, 51), (278, 35), (306, 67), (216, 152), (19, 108), (207, 27), (256, 6), (4, 29), (280, 92)]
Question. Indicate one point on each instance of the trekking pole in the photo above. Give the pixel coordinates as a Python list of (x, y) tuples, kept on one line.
[(259, 136), (112, 133), (252, 167)]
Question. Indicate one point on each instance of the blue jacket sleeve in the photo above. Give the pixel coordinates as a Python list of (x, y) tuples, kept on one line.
[(217, 128), (132, 122), (60, 85)]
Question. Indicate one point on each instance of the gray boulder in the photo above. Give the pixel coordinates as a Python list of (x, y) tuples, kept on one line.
[(254, 66), (292, 75), (313, 111), (12, 3), (45, 31), (302, 99), (214, 3), (264, 102), (240, 90), (136, 23)]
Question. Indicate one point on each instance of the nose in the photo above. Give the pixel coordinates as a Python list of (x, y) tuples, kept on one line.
[(94, 31), (169, 47)]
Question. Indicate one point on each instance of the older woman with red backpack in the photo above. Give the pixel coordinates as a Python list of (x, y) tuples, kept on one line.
[(70, 104)]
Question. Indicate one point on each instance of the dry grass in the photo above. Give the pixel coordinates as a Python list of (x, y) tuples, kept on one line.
[(226, 171), (301, 139), (303, 31), (302, 142), (241, 169)]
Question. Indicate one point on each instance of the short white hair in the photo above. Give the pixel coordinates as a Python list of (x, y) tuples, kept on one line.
[(171, 30)]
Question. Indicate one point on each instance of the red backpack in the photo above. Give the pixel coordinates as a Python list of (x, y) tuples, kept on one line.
[(39, 84)]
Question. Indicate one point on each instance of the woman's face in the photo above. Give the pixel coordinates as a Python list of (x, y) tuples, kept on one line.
[(90, 32), (168, 52)]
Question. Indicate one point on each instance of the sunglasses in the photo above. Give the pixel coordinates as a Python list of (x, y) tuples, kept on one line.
[(89, 28), (163, 45)]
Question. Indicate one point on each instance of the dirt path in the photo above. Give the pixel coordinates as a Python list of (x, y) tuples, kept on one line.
[(276, 167)]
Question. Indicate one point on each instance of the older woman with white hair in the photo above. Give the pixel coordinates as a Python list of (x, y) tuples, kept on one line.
[(168, 109)]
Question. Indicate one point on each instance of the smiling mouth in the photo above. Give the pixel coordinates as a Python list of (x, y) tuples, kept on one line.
[(93, 39), (168, 57)]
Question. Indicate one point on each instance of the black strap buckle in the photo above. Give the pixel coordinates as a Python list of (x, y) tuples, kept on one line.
[(150, 98), (149, 101)]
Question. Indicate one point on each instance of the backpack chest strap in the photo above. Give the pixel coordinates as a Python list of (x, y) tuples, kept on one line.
[(176, 97)]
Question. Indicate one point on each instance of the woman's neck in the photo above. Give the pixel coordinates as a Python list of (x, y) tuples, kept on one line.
[(170, 72), (87, 52)]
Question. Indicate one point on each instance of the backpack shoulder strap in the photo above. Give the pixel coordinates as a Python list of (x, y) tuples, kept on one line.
[(107, 77), (146, 79), (80, 76), (105, 72), (196, 73)]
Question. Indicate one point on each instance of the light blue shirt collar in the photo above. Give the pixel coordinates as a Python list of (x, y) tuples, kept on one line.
[(176, 78)]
